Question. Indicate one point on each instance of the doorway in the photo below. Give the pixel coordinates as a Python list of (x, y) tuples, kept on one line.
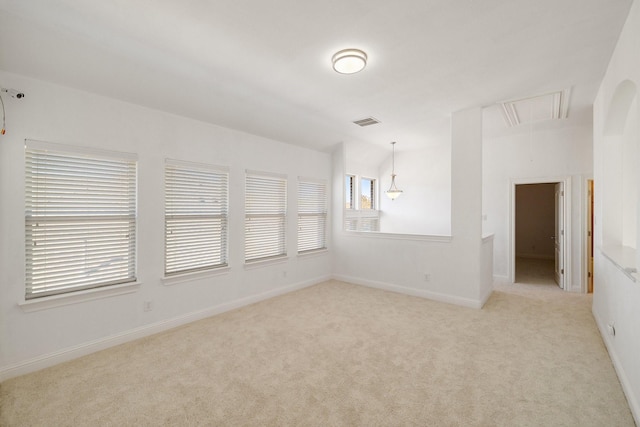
[(536, 224), (539, 247)]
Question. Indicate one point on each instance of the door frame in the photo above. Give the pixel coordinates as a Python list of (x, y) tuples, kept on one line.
[(559, 228), (566, 180), (588, 216)]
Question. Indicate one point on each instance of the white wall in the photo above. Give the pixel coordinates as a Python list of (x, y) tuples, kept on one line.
[(57, 114), (456, 266), (630, 177), (424, 176), (616, 298), (544, 151)]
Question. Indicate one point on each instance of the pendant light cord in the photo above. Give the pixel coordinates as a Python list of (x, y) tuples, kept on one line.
[(393, 158)]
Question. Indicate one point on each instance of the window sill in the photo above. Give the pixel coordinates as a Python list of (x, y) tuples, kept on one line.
[(623, 257), (314, 253), (53, 301), (189, 277), (394, 236), (257, 264)]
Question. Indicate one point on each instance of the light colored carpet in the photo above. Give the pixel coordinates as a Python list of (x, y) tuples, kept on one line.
[(535, 271), (337, 354)]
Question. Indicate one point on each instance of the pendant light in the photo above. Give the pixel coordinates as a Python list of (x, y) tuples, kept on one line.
[(393, 192)]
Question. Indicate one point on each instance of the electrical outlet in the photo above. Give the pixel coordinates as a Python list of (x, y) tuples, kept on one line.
[(147, 306), (427, 277)]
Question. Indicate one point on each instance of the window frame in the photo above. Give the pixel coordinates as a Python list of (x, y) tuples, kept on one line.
[(214, 221), (373, 182), (350, 190), (312, 205), (361, 219), (272, 210), (102, 213)]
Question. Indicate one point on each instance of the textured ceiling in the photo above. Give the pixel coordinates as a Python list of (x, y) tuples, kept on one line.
[(263, 67)]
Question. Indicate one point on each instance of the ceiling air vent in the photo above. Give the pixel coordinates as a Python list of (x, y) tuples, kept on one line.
[(367, 122), (550, 106)]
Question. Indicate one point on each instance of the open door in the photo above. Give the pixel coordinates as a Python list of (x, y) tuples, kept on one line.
[(552, 235), (559, 234)]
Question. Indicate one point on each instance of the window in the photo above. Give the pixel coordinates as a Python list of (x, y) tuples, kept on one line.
[(195, 217), (364, 216), (350, 191), (265, 216), (367, 193), (312, 215), (80, 219)]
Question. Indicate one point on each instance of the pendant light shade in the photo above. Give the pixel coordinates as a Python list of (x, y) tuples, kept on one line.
[(393, 192)]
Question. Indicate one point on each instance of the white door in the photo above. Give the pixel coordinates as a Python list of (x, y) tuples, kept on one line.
[(559, 235)]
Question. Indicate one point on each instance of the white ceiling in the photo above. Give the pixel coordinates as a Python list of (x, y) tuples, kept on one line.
[(264, 66)]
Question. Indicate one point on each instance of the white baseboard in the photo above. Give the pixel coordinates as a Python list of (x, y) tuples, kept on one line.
[(500, 279), (67, 354), (436, 296), (632, 399), (577, 288), (484, 298)]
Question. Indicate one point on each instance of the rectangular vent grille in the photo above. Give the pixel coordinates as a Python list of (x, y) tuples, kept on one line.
[(367, 122)]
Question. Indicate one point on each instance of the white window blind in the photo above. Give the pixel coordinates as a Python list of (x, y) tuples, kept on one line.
[(312, 215), (265, 216), (369, 223), (351, 224), (80, 220), (196, 200), (362, 220)]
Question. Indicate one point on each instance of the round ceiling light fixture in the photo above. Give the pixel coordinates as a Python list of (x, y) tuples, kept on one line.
[(349, 61)]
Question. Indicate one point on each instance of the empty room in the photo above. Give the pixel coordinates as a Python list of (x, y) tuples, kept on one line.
[(339, 213)]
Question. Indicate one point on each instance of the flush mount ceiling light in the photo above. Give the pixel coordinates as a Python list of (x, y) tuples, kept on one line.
[(393, 192), (349, 61)]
